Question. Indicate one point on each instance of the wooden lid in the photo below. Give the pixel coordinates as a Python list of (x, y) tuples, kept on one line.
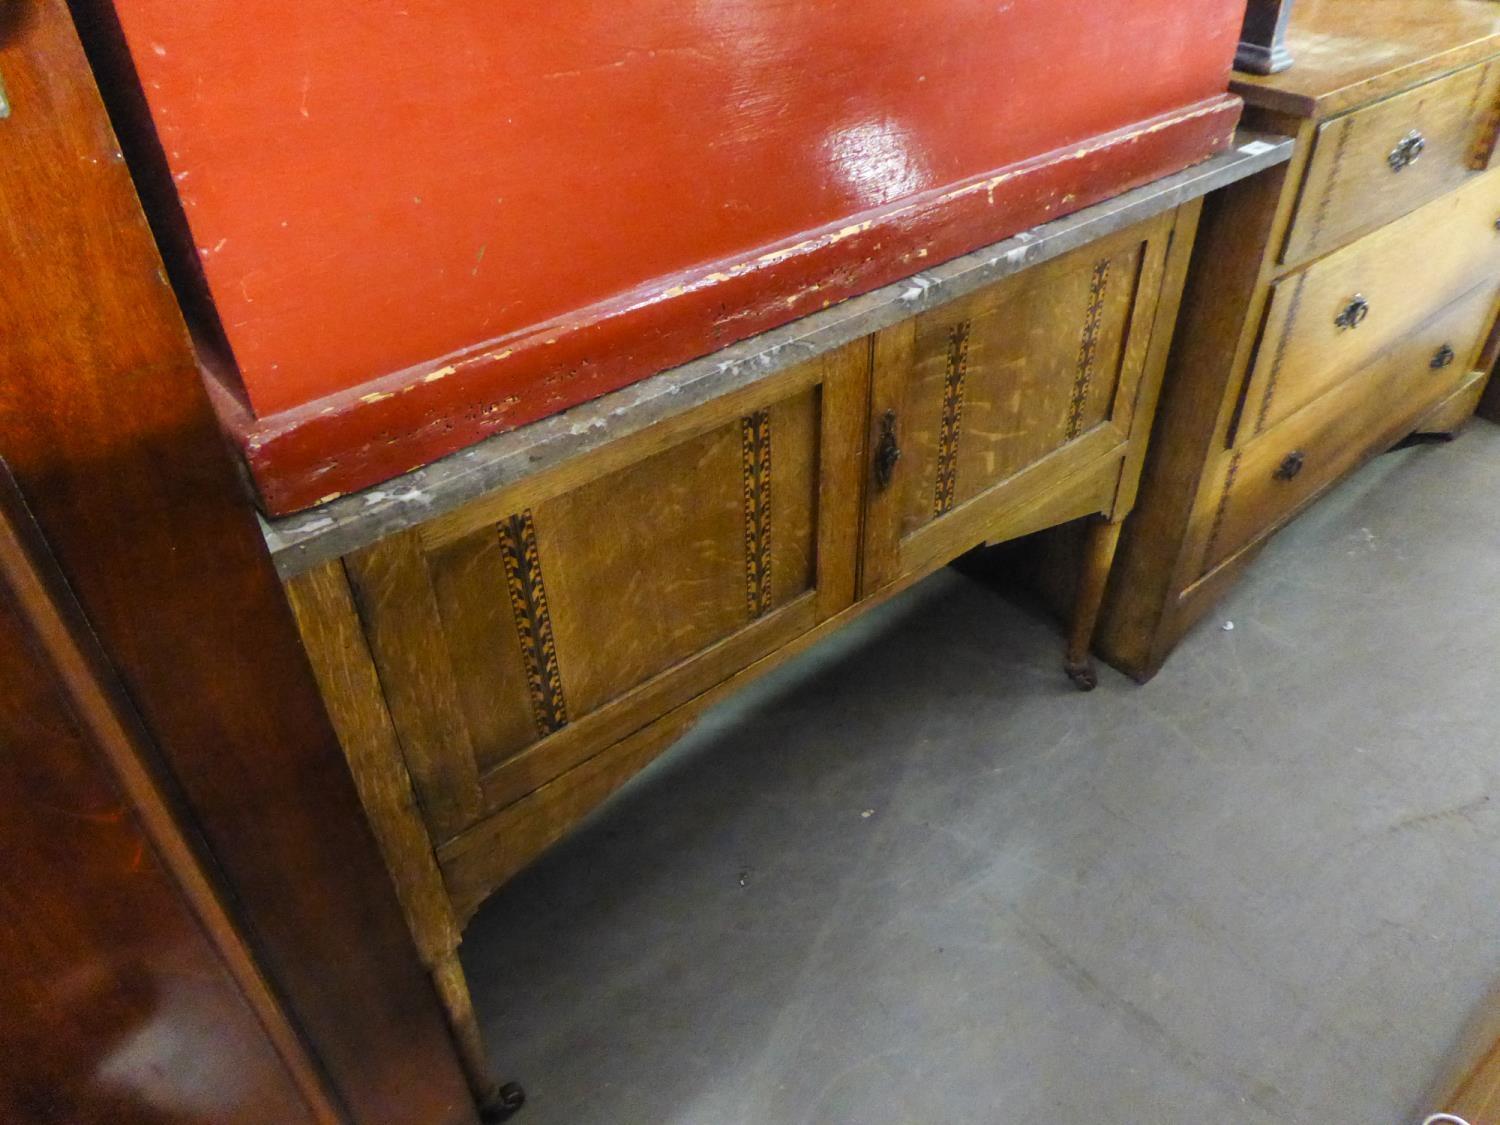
[(1350, 52)]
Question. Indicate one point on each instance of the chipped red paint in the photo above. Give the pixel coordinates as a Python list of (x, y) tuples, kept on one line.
[(423, 222)]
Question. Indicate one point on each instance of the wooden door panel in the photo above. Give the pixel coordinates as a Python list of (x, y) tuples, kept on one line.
[(519, 636), (1035, 375), (658, 561)]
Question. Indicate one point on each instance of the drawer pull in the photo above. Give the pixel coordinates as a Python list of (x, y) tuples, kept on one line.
[(1354, 312), (1407, 151), (887, 451), (1444, 357), (1291, 466)]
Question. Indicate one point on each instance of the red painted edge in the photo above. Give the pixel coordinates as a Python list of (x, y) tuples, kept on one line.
[(389, 426)]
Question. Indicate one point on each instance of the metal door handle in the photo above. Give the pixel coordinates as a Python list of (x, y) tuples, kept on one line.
[(1354, 312), (1407, 150), (4, 100), (887, 451)]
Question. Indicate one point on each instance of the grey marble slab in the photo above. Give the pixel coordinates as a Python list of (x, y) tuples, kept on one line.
[(301, 541)]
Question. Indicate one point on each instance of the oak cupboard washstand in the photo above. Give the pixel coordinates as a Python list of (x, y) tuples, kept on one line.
[(505, 637)]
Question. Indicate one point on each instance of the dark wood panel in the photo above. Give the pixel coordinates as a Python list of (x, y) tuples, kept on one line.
[(113, 982), (107, 427)]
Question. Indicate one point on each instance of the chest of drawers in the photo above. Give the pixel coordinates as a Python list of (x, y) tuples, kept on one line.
[(1334, 306)]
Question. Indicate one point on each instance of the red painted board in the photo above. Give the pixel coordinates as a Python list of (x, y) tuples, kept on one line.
[(425, 221)]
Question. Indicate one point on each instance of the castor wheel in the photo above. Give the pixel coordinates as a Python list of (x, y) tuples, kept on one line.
[(1084, 675), (503, 1104)]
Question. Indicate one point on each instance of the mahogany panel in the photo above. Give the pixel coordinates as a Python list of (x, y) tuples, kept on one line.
[(117, 1006), (421, 224), (105, 423)]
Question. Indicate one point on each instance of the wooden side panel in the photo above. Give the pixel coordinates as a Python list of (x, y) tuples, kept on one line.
[(1222, 309), (1037, 374), (127, 996), (396, 602), (105, 424), (336, 646)]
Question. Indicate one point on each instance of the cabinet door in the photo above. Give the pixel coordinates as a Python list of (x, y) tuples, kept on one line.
[(1011, 409), (524, 633)]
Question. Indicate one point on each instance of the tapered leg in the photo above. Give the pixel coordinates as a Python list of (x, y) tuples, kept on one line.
[(496, 1102), (1099, 545)]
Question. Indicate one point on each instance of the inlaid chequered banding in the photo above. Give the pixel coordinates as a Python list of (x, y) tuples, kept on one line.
[(953, 416), (528, 601), (1088, 348), (756, 436)]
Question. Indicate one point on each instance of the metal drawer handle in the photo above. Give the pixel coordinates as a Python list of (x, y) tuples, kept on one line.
[(887, 451), (1289, 468), (1444, 358), (4, 100), (1354, 312), (1407, 151)]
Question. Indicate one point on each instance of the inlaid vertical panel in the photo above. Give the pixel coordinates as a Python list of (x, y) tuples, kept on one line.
[(1088, 348), (952, 422), (518, 637), (756, 442), (533, 618)]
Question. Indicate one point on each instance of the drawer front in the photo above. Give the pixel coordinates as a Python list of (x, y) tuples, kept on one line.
[(1378, 163), (524, 633), (996, 398), (1332, 319), (1266, 482)]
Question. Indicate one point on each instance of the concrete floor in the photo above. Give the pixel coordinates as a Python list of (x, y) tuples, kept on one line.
[(915, 877)]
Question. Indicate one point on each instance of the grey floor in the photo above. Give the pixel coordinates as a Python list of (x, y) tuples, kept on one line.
[(914, 877)]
